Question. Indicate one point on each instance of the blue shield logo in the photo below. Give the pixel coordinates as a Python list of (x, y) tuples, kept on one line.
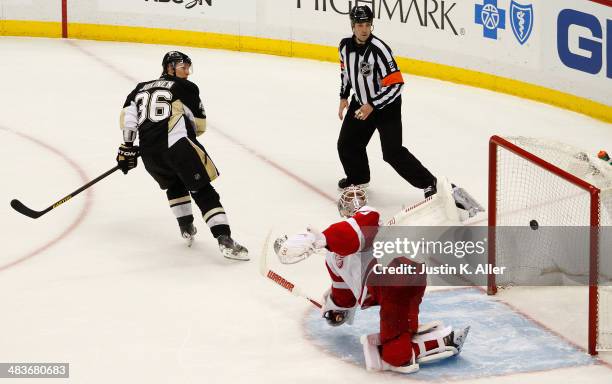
[(491, 17), (521, 19)]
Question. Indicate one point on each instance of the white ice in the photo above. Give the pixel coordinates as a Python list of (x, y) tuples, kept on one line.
[(118, 294)]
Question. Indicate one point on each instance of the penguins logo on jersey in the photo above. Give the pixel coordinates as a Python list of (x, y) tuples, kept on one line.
[(365, 68)]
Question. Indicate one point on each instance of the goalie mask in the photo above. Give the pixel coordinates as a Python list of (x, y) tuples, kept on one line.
[(351, 199)]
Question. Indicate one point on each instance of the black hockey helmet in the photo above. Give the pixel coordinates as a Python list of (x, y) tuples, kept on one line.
[(174, 57), (361, 14)]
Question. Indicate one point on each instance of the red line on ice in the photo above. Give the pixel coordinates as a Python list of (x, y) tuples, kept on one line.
[(79, 218)]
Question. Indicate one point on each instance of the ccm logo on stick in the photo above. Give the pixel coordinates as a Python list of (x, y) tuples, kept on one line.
[(590, 56)]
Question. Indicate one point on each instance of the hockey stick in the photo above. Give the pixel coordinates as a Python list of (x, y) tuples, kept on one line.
[(21, 208), (278, 279)]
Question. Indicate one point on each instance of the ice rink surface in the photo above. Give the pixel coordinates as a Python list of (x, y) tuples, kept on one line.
[(106, 283)]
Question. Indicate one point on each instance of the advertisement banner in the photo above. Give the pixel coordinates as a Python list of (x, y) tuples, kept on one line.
[(230, 10), (583, 42), (564, 45), (444, 31)]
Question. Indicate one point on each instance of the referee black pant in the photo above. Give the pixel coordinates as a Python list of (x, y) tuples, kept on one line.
[(356, 134)]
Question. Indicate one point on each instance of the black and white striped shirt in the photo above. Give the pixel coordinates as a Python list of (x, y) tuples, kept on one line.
[(370, 70)]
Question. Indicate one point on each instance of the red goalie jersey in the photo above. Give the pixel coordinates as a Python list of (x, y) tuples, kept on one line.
[(346, 266)]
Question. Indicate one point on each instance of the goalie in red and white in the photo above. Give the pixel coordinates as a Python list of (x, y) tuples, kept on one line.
[(402, 344)]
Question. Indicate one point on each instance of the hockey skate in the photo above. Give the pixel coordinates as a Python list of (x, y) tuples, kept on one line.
[(465, 201), (431, 189), (454, 341), (231, 249), (188, 232), (345, 183)]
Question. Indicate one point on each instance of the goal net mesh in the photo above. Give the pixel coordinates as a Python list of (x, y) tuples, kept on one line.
[(530, 196)]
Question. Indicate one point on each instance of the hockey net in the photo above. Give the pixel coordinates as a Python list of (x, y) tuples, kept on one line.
[(542, 183)]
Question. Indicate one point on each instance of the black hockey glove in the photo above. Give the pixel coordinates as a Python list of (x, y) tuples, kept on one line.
[(127, 157), (335, 318)]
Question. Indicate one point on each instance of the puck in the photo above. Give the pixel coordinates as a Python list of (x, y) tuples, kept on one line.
[(534, 224)]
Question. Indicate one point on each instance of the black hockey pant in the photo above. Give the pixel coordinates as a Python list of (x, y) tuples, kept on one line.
[(356, 134), (186, 169)]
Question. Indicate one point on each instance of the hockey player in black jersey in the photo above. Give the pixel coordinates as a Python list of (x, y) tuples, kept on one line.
[(167, 114), (367, 67)]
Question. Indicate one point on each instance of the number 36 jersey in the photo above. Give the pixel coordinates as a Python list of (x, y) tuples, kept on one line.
[(161, 112)]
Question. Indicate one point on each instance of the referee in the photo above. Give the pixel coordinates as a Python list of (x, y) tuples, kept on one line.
[(369, 69)]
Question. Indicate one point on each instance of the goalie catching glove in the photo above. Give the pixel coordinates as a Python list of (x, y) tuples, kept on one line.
[(127, 157), (291, 250)]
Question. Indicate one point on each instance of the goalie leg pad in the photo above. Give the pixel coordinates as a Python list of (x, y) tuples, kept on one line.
[(371, 353), (440, 209), (436, 337), (430, 327), (408, 368), (435, 357), (449, 343), (465, 201), (374, 362)]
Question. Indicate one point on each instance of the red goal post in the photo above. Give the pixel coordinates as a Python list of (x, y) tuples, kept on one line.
[(497, 147)]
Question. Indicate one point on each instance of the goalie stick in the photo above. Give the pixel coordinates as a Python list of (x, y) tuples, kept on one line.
[(21, 208), (278, 279)]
